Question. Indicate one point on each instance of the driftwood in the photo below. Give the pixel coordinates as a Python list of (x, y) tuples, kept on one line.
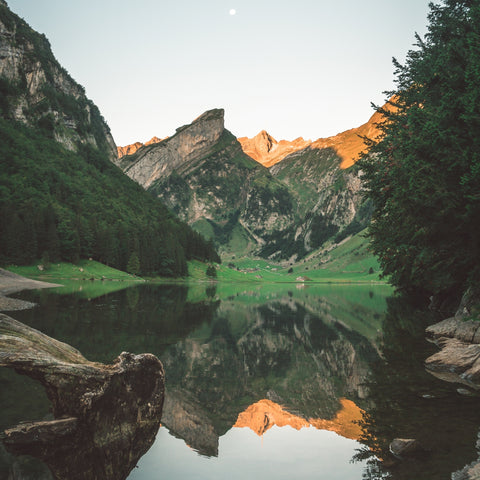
[(106, 416)]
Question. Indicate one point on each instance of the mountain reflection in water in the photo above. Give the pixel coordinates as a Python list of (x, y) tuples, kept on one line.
[(262, 358), (263, 415)]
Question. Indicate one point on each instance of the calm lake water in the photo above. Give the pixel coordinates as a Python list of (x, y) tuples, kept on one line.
[(270, 382)]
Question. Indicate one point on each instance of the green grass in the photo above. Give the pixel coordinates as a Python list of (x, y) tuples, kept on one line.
[(350, 262), (87, 279), (83, 270), (203, 227)]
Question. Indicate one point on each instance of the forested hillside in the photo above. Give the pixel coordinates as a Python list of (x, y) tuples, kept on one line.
[(61, 198)]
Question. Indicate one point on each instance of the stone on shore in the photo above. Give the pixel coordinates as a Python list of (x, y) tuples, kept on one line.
[(106, 416)]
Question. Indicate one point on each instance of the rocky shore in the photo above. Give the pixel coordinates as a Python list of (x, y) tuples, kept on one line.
[(458, 360), (12, 283), (458, 337)]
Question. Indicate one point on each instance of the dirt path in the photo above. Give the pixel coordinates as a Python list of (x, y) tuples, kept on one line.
[(12, 283)]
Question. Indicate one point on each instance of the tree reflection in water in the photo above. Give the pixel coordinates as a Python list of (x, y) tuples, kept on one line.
[(407, 402)]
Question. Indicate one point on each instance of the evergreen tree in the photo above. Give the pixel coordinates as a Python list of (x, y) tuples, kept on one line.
[(211, 271), (423, 174), (133, 265)]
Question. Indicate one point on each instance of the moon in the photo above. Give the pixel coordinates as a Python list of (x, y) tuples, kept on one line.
[(232, 11)]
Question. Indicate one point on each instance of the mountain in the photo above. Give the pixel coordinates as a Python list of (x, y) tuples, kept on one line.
[(309, 195), (347, 145), (62, 198), (203, 176), (37, 91), (131, 149), (266, 150), (324, 183)]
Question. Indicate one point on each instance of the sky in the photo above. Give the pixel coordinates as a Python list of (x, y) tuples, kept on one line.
[(296, 68)]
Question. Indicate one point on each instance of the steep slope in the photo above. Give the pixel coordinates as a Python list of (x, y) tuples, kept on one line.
[(329, 200), (326, 186), (61, 196), (349, 145), (37, 91), (202, 175), (311, 193)]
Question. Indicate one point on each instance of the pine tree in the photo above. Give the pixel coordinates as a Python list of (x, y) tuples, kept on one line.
[(133, 265), (423, 175)]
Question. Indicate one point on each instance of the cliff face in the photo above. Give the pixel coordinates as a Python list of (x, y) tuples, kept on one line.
[(349, 145), (203, 176), (308, 196), (37, 91)]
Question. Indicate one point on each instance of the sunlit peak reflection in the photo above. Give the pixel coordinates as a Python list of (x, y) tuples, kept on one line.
[(263, 415)]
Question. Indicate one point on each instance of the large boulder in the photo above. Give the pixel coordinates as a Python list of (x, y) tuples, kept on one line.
[(105, 416)]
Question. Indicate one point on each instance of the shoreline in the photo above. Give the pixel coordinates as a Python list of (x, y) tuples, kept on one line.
[(12, 283)]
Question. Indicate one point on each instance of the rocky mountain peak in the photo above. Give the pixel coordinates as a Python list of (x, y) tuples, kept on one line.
[(266, 150), (154, 160), (133, 147)]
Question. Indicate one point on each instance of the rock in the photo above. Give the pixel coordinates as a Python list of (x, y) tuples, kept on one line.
[(266, 150), (131, 149), (465, 392), (470, 472), (405, 447), (463, 330), (445, 328), (106, 416), (456, 362), (190, 142), (469, 304)]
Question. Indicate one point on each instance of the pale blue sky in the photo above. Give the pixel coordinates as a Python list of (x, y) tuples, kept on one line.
[(294, 68)]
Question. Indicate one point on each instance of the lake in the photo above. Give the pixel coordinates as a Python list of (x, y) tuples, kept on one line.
[(262, 381)]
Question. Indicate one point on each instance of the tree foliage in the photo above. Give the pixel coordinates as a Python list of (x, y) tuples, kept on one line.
[(66, 206), (423, 173)]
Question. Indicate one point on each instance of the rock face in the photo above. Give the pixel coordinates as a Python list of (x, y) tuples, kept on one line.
[(36, 90), (203, 176), (131, 149), (348, 145), (106, 416), (266, 150), (459, 358), (208, 179), (189, 143)]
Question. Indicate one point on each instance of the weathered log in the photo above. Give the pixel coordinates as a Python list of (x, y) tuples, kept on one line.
[(106, 416)]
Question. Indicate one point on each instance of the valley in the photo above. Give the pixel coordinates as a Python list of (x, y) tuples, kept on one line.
[(281, 201)]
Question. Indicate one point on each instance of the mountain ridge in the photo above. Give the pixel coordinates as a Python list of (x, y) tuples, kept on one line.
[(62, 196), (206, 177)]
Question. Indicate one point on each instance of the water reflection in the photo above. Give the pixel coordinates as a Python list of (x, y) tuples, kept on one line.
[(302, 353), (276, 351), (407, 402)]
